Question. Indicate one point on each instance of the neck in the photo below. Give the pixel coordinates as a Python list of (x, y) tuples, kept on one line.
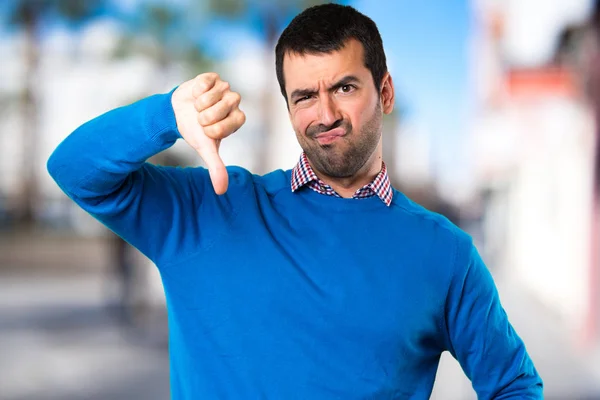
[(346, 187)]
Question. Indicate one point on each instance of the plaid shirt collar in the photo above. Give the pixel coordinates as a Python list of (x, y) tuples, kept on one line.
[(303, 175)]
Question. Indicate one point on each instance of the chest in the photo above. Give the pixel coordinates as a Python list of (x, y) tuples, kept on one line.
[(303, 279)]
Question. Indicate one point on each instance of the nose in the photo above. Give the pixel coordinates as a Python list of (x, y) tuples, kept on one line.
[(328, 111)]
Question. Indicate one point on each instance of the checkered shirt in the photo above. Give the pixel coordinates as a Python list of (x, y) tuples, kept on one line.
[(303, 175)]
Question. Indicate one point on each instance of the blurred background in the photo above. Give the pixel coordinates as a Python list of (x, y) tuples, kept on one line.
[(496, 126)]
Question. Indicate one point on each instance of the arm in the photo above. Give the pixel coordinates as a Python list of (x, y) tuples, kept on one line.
[(101, 165), (482, 339)]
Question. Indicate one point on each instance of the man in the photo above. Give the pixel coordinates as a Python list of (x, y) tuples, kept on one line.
[(321, 282)]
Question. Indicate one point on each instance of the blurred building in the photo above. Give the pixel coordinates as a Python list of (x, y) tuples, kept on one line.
[(534, 136), (79, 77)]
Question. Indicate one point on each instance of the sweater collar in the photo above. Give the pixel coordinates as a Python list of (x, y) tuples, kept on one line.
[(303, 175)]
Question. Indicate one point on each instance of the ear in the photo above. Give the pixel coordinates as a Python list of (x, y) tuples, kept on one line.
[(387, 93)]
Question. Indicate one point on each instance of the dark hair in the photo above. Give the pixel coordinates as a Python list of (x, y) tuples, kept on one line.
[(326, 28)]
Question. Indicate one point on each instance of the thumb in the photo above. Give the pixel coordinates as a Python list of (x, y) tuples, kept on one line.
[(216, 167)]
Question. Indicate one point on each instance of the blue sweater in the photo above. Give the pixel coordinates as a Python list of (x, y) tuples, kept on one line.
[(280, 295)]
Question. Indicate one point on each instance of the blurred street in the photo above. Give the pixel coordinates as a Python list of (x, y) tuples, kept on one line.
[(496, 125), (568, 372), (58, 340)]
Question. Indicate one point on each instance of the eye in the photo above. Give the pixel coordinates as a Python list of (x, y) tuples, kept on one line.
[(301, 99), (347, 88)]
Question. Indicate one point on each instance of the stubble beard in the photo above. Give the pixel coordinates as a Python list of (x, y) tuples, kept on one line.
[(345, 160)]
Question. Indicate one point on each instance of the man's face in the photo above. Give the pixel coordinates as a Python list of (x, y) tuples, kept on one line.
[(334, 108)]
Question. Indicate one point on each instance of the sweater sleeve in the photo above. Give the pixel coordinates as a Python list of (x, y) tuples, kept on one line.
[(482, 339), (102, 167)]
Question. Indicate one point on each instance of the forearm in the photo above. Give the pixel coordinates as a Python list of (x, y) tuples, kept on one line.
[(94, 160), (101, 165), (481, 337)]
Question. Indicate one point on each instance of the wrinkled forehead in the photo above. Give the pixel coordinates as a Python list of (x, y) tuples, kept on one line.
[(313, 70)]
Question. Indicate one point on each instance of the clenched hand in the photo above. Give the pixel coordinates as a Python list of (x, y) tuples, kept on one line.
[(206, 111)]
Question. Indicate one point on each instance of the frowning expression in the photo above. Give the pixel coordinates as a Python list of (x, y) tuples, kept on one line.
[(335, 108)]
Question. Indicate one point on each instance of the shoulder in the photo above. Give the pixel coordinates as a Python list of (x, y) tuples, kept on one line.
[(239, 177), (194, 181), (271, 182), (243, 183), (274, 181), (431, 227)]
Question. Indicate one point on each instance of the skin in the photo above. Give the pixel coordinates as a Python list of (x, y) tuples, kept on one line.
[(335, 93), (332, 93), (207, 111)]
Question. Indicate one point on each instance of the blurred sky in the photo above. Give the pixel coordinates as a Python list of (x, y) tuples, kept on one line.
[(428, 49), (425, 42), (426, 46), (430, 54)]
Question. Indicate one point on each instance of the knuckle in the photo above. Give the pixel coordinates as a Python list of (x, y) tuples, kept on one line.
[(201, 87), (230, 101), (224, 86), (218, 131), (199, 119), (199, 104), (210, 132), (242, 117), (209, 118), (204, 81), (204, 118), (198, 89), (239, 118), (210, 76)]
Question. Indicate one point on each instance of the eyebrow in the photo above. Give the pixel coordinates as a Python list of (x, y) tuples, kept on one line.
[(309, 92)]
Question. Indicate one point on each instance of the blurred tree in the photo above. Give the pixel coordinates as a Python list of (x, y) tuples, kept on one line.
[(272, 15), (159, 31), (31, 16)]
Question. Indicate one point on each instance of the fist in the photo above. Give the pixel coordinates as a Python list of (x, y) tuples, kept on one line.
[(217, 106), (206, 111)]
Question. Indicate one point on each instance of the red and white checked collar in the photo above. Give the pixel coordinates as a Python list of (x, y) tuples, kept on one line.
[(303, 175)]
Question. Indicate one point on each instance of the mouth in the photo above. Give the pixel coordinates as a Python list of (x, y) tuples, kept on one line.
[(330, 136)]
